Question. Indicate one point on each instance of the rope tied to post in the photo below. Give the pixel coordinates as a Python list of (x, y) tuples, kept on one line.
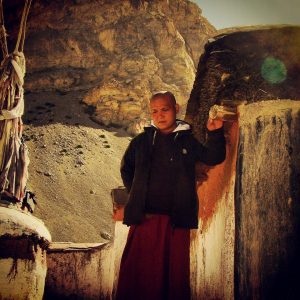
[(14, 158)]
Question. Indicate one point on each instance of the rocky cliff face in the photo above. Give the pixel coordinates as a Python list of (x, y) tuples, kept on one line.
[(113, 54), (120, 52)]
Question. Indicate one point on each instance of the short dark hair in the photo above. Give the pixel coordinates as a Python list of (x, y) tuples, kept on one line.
[(164, 94)]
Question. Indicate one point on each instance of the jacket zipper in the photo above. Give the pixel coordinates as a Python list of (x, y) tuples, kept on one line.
[(172, 216)]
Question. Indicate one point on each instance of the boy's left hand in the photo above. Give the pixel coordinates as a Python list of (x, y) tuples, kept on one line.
[(213, 124)]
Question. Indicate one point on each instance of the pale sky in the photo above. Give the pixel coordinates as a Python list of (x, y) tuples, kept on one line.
[(231, 13)]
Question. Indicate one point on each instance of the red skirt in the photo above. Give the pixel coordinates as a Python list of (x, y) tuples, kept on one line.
[(156, 263)]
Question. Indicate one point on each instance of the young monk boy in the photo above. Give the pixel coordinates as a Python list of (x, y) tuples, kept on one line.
[(158, 170)]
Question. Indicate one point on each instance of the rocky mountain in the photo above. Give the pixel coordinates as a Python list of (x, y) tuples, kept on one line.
[(118, 52), (112, 55)]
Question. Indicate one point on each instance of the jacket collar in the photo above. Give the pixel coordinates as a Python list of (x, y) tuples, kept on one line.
[(182, 126)]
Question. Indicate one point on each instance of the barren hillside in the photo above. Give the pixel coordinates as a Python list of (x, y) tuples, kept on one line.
[(74, 163), (111, 55)]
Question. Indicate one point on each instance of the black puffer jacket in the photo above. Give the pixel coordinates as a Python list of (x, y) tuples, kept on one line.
[(135, 170)]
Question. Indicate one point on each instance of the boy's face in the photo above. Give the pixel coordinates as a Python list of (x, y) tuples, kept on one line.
[(163, 114)]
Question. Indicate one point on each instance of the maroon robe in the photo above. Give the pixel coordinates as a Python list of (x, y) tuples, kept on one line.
[(156, 263)]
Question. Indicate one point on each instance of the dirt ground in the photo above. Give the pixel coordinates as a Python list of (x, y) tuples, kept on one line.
[(74, 164)]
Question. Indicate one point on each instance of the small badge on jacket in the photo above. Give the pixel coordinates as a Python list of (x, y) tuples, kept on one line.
[(184, 151)]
